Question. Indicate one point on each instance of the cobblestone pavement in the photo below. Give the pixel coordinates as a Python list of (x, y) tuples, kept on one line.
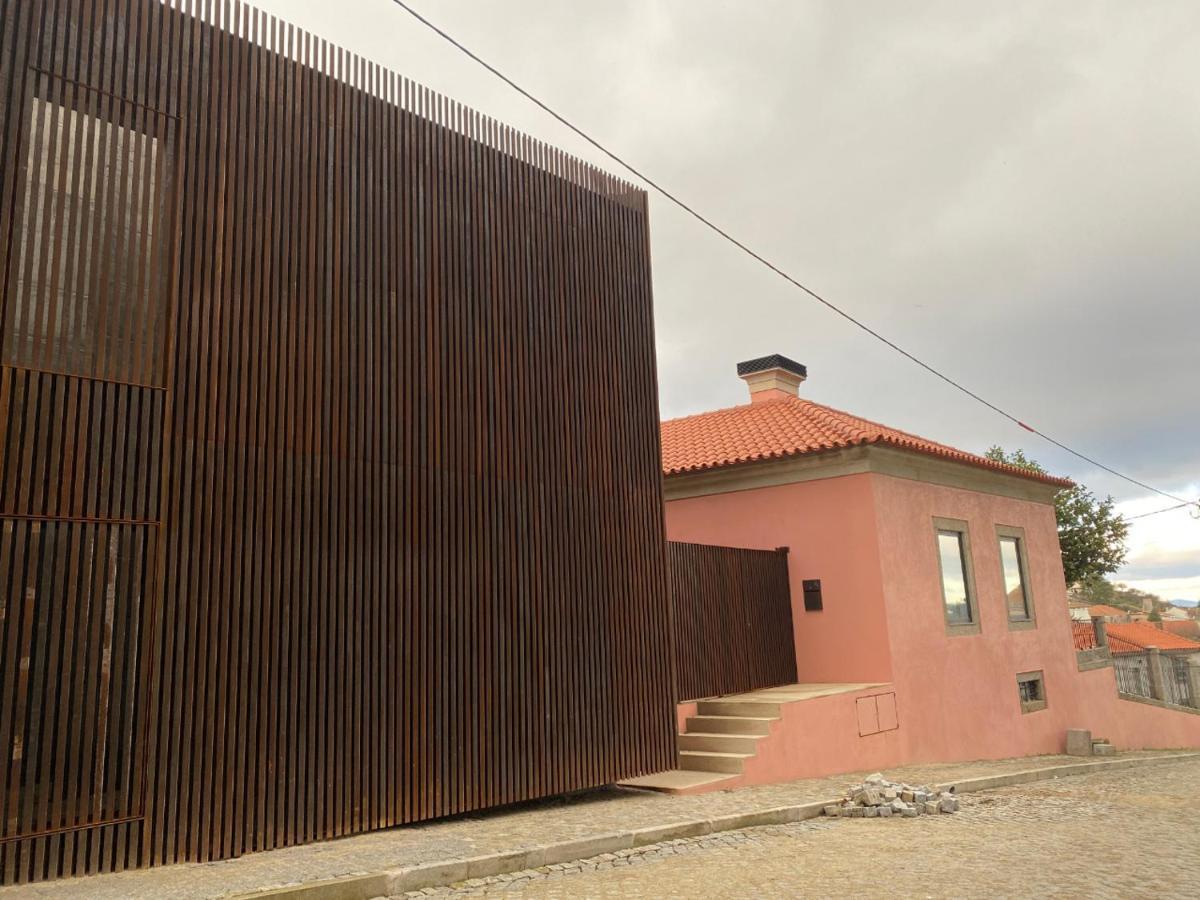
[(513, 828), (1128, 833)]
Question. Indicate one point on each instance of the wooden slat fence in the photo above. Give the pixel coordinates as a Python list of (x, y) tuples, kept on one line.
[(732, 619), (329, 478)]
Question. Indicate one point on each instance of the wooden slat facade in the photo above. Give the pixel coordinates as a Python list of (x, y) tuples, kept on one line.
[(732, 619), (329, 470)]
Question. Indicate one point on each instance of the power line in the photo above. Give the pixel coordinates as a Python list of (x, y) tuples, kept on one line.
[(774, 268), (1195, 512)]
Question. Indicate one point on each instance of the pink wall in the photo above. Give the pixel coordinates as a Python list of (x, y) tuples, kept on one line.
[(829, 527), (960, 698), (870, 539)]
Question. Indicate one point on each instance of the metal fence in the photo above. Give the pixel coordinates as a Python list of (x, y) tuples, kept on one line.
[(1176, 683), (1133, 674)]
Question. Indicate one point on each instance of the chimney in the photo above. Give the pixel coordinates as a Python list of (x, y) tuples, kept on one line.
[(772, 377)]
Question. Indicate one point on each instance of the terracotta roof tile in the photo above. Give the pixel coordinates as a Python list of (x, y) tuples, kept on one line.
[(1104, 610), (1134, 637), (1188, 628), (790, 426)]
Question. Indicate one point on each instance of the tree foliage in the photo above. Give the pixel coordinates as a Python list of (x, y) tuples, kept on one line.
[(1090, 531), (1095, 589)]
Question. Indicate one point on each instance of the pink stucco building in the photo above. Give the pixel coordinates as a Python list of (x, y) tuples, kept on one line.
[(943, 609)]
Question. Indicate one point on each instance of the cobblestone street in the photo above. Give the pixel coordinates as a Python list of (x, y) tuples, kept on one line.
[(1117, 834)]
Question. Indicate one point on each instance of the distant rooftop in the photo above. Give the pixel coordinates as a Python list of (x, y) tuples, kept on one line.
[(1134, 637)]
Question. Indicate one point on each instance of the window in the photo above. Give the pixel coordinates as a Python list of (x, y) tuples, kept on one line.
[(1014, 569), (87, 280), (958, 591), (1031, 688)]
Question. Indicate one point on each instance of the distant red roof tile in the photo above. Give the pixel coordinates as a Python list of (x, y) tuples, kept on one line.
[(1103, 610), (790, 426), (1134, 637), (1187, 628)]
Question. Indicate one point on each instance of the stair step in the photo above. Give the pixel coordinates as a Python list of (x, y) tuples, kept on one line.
[(722, 743), (755, 709), (712, 761), (729, 725)]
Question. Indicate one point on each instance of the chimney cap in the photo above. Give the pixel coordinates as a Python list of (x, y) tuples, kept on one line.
[(774, 361)]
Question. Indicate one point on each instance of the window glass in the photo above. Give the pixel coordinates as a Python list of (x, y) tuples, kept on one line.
[(954, 578), (1014, 582)]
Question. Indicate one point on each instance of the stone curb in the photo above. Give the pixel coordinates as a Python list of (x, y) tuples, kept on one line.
[(447, 872)]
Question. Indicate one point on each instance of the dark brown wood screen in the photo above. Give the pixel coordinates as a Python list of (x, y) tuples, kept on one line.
[(733, 619), (329, 475)]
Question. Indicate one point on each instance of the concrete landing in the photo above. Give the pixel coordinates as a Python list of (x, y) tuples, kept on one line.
[(789, 693), (678, 781)]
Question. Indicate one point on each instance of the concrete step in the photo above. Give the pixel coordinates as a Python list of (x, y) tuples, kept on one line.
[(722, 743), (712, 761), (755, 709), (677, 781), (729, 725)]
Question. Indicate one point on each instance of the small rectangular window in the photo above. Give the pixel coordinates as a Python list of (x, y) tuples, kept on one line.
[(1031, 688), (954, 565)]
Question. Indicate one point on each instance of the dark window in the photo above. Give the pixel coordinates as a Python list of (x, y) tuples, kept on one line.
[(1031, 687)]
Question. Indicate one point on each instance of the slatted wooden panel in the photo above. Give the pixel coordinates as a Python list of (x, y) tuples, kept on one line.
[(78, 447), (372, 379), (72, 676), (732, 619)]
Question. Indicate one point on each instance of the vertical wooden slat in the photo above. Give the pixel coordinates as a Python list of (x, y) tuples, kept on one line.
[(329, 486), (732, 619)]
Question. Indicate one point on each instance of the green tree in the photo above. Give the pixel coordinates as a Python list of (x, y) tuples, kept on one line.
[(1090, 531)]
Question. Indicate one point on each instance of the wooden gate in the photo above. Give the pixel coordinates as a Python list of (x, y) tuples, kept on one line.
[(732, 619)]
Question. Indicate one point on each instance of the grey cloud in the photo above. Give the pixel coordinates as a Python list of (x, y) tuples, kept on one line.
[(1009, 190)]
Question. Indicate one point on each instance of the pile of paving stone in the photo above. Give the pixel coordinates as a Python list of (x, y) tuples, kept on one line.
[(878, 797)]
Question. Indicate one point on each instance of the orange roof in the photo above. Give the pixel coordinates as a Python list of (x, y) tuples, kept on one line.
[(1188, 628), (1102, 610), (1134, 637), (790, 426)]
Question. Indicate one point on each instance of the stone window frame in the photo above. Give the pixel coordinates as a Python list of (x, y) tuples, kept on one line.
[(1039, 677), (1018, 534), (963, 529)]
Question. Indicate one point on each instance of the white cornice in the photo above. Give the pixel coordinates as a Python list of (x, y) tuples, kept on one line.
[(875, 458)]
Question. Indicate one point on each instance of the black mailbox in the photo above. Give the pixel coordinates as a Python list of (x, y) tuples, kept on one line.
[(812, 595)]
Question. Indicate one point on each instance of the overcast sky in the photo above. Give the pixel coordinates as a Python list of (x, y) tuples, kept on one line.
[(1009, 190)]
